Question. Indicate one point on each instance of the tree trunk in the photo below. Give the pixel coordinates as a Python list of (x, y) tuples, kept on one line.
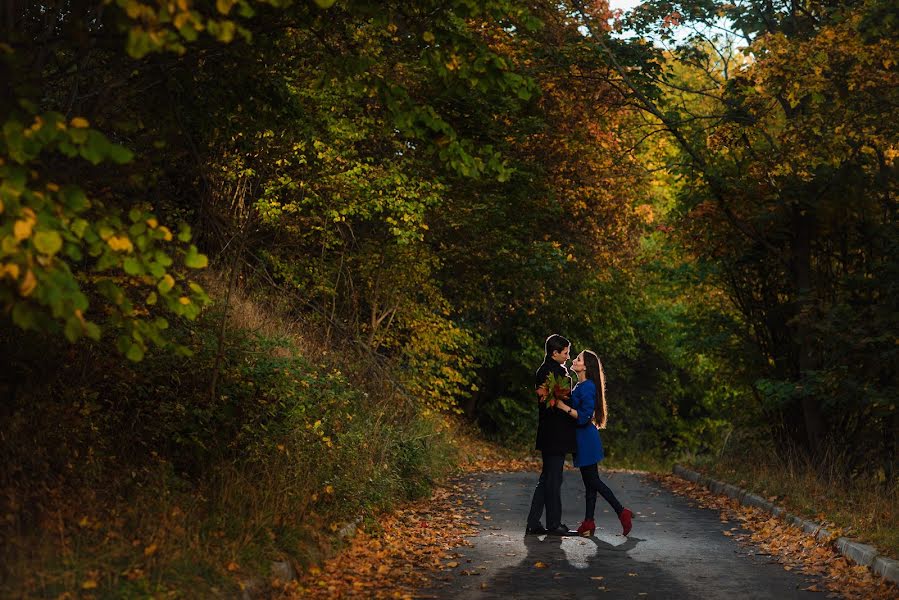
[(813, 418)]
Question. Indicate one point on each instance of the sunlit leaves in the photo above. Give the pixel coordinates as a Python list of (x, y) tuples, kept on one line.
[(47, 228)]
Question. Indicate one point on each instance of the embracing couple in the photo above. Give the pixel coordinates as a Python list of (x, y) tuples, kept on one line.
[(570, 422)]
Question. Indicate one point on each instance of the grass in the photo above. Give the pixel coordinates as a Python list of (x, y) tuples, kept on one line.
[(863, 507), (146, 487)]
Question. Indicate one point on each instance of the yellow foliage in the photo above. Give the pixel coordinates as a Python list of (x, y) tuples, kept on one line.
[(10, 269), (224, 6), (28, 284), (22, 229), (120, 243), (80, 123)]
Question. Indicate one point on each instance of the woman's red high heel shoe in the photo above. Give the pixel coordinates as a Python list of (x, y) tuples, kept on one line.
[(587, 528), (625, 518)]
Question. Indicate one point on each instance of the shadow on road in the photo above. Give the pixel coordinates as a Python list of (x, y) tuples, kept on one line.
[(557, 567)]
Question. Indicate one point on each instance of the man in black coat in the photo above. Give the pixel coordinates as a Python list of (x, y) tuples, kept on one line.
[(555, 439)]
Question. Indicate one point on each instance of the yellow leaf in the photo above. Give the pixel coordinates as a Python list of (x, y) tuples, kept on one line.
[(166, 233), (452, 564), (181, 19), (150, 550), (165, 284), (152, 223), (89, 584), (11, 269), (22, 229), (540, 565), (28, 284), (80, 123), (184, 300), (233, 566), (224, 6), (427, 36), (329, 489), (120, 242)]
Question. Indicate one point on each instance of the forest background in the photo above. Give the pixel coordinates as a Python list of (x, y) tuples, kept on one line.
[(265, 263)]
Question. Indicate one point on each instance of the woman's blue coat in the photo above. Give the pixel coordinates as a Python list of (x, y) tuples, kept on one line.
[(589, 445)]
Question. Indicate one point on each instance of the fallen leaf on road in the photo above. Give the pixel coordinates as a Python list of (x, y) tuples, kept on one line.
[(791, 546), (540, 565)]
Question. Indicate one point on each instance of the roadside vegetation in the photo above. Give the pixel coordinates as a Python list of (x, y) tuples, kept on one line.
[(263, 263)]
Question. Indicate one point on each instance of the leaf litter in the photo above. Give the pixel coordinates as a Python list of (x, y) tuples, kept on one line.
[(789, 545)]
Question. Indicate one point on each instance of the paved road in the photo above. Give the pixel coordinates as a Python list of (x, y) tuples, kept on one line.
[(674, 551)]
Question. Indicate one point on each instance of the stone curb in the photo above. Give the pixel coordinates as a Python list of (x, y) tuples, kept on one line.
[(858, 553), (255, 587)]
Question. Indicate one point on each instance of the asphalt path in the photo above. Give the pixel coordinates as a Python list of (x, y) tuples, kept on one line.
[(674, 550)]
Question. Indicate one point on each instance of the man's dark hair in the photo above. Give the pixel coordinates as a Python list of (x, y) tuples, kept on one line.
[(555, 343)]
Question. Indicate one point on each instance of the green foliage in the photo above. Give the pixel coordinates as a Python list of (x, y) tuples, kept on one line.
[(784, 203), (290, 445), (53, 235)]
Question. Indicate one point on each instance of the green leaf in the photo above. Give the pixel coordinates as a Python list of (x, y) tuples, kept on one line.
[(184, 232), (119, 154), (194, 259), (23, 315), (48, 242), (92, 330), (132, 266), (72, 329), (74, 198), (135, 353), (78, 227)]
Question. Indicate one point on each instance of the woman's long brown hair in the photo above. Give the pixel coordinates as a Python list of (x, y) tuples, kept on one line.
[(598, 376)]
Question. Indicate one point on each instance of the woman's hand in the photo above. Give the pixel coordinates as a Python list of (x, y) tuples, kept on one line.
[(566, 409)]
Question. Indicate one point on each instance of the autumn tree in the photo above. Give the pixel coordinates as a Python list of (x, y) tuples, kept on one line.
[(789, 195)]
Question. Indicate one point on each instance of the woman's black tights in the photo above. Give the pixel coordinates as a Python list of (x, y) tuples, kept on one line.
[(593, 484)]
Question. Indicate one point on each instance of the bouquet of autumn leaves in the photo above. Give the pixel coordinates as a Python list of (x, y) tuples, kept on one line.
[(555, 388)]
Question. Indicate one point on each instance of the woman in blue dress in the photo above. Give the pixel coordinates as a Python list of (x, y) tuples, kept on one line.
[(588, 408)]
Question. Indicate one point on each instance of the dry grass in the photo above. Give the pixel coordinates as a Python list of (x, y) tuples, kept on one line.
[(258, 315), (860, 507)]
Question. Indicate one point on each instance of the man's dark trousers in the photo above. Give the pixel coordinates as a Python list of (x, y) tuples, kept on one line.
[(548, 492)]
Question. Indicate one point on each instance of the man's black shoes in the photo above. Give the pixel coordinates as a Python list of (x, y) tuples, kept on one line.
[(560, 530), (537, 529)]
